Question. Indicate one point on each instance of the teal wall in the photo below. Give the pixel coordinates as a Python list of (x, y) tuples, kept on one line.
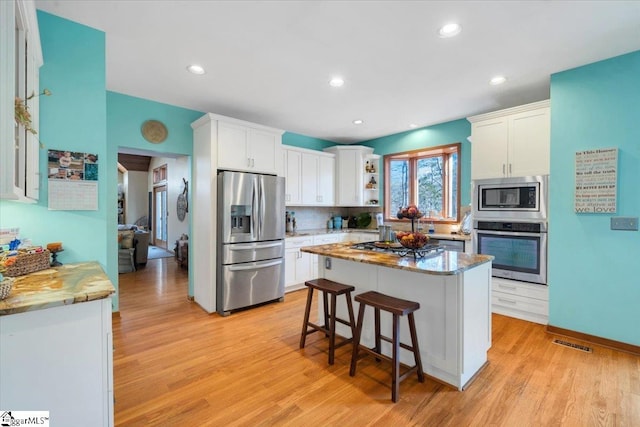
[(431, 136), (125, 115), (72, 118), (593, 285), (302, 141)]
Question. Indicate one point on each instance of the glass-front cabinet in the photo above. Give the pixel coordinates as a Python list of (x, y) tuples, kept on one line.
[(19, 82)]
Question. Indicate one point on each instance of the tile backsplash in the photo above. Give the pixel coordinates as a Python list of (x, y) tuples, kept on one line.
[(316, 217)]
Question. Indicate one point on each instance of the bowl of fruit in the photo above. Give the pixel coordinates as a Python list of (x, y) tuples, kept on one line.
[(412, 240), (410, 212)]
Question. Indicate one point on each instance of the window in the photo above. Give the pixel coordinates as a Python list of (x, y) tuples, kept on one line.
[(427, 178), (160, 174)]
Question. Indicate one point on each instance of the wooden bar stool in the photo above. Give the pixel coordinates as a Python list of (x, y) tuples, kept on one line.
[(328, 287), (397, 307)]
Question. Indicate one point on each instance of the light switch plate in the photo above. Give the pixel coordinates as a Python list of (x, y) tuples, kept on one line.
[(625, 223)]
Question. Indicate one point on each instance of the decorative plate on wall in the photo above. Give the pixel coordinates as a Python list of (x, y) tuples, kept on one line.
[(154, 131)]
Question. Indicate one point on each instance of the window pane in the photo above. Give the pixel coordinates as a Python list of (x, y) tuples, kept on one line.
[(399, 182), (430, 186)]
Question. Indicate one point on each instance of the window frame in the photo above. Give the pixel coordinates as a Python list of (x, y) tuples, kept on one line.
[(413, 156)]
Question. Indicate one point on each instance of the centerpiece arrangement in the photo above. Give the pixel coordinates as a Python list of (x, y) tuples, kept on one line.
[(414, 242)]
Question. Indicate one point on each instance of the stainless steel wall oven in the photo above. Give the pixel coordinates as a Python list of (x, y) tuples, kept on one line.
[(519, 248)]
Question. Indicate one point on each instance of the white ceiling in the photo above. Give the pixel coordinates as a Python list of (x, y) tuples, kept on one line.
[(269, 62)]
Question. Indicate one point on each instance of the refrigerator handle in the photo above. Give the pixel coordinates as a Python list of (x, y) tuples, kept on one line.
[(254, 212), (254, 266), (238, 247), (263, 208)]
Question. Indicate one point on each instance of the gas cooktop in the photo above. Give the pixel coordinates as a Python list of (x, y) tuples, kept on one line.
[(429, 249)]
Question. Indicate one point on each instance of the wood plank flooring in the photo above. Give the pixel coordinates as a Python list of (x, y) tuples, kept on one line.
[(176, 365)]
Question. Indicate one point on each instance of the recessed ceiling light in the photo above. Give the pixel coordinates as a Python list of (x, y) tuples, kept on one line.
[(449, 30), (336, 82), (413, 125), (497, 80), (358, 122), (195, 69)]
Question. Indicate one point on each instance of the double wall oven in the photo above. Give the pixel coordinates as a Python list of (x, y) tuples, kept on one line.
[(510, 223)]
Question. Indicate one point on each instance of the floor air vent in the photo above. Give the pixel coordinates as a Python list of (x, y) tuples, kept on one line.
[(572, 345)]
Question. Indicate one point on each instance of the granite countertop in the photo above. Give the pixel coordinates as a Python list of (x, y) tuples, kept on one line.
[(64, 285), (372, 231), (443, 263), (320, 231)]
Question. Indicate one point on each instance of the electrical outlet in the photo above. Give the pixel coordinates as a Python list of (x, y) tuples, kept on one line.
[(327, 263), (625, 223)]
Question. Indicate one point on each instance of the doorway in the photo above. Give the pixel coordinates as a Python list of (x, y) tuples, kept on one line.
[(160, 216)]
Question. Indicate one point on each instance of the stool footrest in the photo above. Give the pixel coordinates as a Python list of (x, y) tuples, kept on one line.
[(389, 340)]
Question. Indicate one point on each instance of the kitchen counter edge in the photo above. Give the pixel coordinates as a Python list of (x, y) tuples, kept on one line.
[(444, 263)]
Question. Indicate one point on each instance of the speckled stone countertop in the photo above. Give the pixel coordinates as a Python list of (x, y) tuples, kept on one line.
[(443, 263), (64, 285), (373, 232), (320, 231)]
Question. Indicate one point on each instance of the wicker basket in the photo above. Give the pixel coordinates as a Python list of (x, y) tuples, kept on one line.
[(5, 287), (28, 263)]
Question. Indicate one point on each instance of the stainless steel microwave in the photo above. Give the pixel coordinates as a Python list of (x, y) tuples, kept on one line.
[(512, 198)]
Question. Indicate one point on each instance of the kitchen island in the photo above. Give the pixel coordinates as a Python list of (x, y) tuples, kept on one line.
[(56, 350), (454, 291)]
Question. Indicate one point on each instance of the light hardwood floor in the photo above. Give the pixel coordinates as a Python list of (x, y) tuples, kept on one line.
[(176, 365)]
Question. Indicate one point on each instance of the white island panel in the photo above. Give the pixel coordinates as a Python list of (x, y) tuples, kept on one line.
[(453, 323)]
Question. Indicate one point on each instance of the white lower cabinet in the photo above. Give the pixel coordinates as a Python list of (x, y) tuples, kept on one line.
[(59, 359), (299, 266), (521, 300)]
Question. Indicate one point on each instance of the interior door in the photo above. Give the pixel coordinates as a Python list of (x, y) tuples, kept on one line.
[(160, 216)]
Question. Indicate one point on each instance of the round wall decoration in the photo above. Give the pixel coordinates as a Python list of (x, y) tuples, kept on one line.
[(154, 131)]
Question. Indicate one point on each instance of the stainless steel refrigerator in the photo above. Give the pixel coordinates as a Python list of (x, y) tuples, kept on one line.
[(250, 264)]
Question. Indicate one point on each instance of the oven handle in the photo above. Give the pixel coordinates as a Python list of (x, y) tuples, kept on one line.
[(509, 233)]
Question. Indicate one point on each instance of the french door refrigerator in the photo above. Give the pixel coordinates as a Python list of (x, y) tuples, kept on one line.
[(250, 255)]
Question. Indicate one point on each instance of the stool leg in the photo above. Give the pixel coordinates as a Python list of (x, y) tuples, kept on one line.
[(307, 310), (414, 344), (352, 320), (332, 329), (377, 347), (326, 311), (395, 369), (356, 340)]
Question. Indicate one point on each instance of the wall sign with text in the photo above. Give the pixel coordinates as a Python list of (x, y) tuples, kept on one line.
[(596, 181)]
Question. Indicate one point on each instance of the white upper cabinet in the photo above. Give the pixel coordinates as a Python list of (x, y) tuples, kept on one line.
[(293, 177), (350, 174), (512, 142), (19, 77), (309, 176), (248, 147)]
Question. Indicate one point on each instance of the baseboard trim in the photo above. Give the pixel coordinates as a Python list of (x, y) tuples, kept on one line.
[(604, 342)]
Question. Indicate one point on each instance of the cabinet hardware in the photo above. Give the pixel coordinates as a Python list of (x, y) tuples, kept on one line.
[(248, 162), (503, 169), (509, 168), (512, 288), (510, 301), (253, 163)]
